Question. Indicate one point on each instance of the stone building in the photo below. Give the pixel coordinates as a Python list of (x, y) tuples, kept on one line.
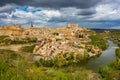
[(72, 25), (11, 31)]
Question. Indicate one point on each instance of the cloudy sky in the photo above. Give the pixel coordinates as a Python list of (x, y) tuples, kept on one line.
[(56, 13)]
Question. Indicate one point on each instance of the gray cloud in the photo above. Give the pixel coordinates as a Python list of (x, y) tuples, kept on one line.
[(54, 3), (7, 8), (86, 12), (89, 13), (19, 2)]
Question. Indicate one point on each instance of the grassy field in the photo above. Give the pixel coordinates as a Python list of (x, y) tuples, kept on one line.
[(5, 40), (98, 40), (16, 67)]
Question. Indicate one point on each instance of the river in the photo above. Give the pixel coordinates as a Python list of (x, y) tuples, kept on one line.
[(106, 57)]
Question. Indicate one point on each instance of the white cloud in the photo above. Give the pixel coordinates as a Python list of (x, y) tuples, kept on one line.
[(24, 17), (115, 27), (11, 21), (22, 14), (107, 12), (51, 13)]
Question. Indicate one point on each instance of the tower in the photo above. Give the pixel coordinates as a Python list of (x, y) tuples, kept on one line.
[(31, 25)]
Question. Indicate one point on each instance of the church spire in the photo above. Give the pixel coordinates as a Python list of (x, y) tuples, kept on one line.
[(31, 25)]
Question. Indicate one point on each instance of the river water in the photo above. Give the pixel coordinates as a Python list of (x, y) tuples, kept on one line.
[(106, 57)]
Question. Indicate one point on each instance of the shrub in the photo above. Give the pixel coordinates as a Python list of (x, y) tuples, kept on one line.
[(112, 70), (56, 33), (118, 52), (7, 41), (98, 40), (27, 49), (8, 54)]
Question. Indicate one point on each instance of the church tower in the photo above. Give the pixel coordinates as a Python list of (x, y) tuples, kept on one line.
[(31, 25)]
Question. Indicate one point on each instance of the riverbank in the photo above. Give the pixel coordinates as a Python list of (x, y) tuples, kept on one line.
[(112, 70), (106, 57)]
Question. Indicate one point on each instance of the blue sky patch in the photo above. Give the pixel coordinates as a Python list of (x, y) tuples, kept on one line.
[(26, 9)]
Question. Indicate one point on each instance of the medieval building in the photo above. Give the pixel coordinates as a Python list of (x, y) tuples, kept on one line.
[(11, 30)]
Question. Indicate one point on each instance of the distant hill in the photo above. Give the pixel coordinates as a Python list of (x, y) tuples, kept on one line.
[(102, 30)]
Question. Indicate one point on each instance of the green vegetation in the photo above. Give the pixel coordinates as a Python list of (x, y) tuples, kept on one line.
[(8, 54), (56, 33), (64, 59), (118, 52), (99, 41), (112, 70), (27, 49), (40, 73), (16, 67), (5, 40), (115, 36)]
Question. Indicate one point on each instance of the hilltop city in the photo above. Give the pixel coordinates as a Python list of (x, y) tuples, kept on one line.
[(52, 42)]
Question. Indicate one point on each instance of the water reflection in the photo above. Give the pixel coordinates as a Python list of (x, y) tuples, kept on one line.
[(106, 57)]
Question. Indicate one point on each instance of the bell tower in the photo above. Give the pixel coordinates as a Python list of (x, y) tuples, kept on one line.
[(31, 25)]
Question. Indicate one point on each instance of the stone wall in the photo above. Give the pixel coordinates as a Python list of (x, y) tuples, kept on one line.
[(11, 31)]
